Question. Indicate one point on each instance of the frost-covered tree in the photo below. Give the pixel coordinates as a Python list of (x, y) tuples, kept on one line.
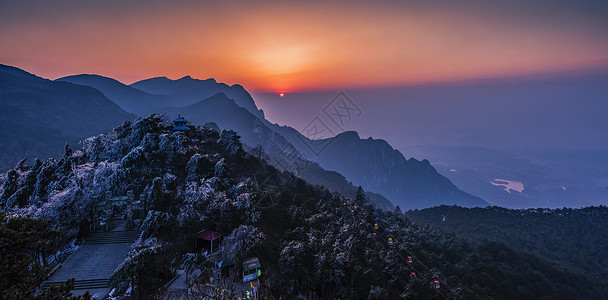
[(67, 150), (192, 168), (157, 224), (155, 196), (135, 157), (241, 240), (220, 168), (194, 261), (145, 266), (10, 186), (231, 140), (44, 178), (195, 207), (21, 166), (18, 199)]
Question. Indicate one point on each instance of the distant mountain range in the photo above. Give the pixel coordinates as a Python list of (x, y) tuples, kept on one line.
[(38, 115), (187, 91), (376, 166), (128, 98), (372, 164)]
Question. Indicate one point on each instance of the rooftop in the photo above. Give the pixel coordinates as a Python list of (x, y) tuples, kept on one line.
[(251, 264), (179, 119), (119, 198), (207, 235), (180, 128)]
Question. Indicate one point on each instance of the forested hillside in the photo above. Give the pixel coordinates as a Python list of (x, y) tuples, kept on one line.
[(573, 238), (311, 242)]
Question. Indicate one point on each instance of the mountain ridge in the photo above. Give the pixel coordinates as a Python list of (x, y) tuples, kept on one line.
[(130, 99), (375, 162), (38, 115), (392, 174), (188, 90)]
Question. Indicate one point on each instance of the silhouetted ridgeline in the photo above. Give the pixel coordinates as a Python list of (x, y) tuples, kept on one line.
[(37, 116)]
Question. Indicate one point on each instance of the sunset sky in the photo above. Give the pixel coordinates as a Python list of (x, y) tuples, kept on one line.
[(288, 46)]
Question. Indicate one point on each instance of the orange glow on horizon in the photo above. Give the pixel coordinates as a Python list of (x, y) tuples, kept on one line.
[(288, 46)]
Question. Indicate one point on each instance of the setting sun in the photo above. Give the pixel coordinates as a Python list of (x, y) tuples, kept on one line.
[(294, 46)]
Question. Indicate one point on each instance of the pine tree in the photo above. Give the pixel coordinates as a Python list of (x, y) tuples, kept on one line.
[(67, 151), (11, 185), (258, 151)]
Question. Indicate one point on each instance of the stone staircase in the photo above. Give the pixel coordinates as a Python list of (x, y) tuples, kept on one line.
[(93, 263), (112, 237), (86, 284)]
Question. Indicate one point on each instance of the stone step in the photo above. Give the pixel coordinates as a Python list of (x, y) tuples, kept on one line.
[(110, 241), (104, 242), (110, 237), (122, 232), (85, 284), (106, 238)]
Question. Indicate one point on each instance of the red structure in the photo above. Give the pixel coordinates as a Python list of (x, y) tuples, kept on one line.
[(436, 285), (207, 240)]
